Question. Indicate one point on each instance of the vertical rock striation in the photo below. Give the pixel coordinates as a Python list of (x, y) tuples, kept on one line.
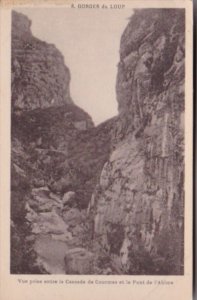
[(134, 196), (138, 205)]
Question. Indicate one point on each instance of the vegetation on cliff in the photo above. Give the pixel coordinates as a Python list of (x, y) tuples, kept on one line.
[(106, 199)]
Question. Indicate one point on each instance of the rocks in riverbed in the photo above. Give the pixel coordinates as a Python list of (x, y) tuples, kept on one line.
[(69, 199), (73, 216), (43, 200), (41, 191), (63, 237), (49, 222), (78, 261), (31, 215)]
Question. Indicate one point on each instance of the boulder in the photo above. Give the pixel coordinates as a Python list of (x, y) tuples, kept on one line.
[(54, 197), (79, 261), (72, 217), (69, 198), (50, 222), (64, 237), (62, 184), (40, 191)]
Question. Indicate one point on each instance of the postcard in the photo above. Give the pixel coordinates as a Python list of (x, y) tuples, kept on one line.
[(96, 150)]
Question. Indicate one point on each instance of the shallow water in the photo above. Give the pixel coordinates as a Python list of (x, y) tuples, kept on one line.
[(51, 253)]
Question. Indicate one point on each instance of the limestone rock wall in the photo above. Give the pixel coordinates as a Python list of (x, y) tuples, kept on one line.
[(55, 149), (40, 78), (138, 205), (127, 174)]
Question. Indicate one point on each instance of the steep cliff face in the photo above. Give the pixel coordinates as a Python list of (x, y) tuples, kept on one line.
[(138, 206), (115, 190), (40, 78), (55, 150)]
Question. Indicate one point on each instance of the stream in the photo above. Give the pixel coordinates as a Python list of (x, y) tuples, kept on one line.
[(55, 231)]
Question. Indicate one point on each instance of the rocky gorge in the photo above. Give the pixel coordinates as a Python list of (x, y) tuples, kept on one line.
[(106, 199)]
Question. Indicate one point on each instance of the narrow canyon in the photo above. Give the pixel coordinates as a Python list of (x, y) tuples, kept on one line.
[(106, 199)]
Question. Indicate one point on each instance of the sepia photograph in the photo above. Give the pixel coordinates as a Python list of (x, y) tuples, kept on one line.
[(97, 141)]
